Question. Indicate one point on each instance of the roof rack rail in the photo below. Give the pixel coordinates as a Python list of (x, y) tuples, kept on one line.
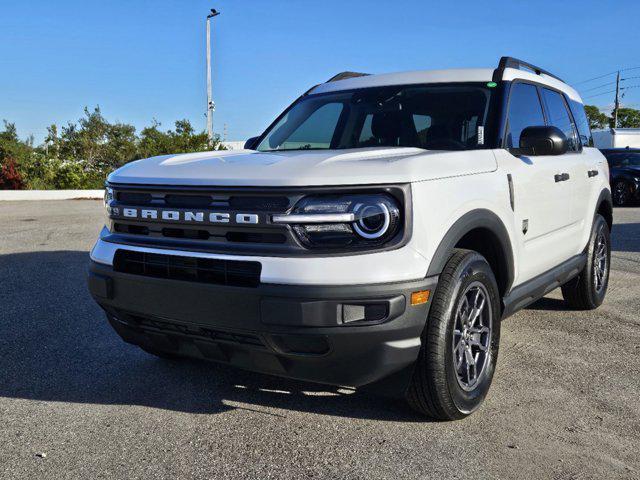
[(510, 62), (345, 75)]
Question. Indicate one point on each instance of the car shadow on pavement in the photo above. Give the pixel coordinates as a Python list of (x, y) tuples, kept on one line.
[(625, 237), (56, 345)]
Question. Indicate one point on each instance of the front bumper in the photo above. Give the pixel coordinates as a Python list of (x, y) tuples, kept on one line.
[(295, 331), (397, 265)]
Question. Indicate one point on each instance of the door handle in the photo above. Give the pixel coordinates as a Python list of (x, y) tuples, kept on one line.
[(592, 173), (561, 177)]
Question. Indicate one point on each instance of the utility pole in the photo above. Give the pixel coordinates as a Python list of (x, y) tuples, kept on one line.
[(211, 106), (617, 103)]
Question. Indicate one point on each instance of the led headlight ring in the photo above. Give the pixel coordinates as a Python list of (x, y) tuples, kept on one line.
[(363, 212)]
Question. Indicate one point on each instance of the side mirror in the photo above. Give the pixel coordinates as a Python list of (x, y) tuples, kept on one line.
[(543, 140), (251, 144)]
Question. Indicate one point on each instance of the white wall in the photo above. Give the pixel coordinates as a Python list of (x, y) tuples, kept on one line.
[(20, 195), (619, 138), (622, 140)]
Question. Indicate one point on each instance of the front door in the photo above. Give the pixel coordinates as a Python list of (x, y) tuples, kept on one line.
[(542, 191)]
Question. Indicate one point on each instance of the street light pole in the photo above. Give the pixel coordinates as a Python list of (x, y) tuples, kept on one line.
[(210, 104)]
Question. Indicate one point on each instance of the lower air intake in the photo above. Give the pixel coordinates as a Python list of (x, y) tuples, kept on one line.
[(202, 270)]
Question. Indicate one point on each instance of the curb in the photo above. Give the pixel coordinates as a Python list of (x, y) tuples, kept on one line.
[(22, 195)]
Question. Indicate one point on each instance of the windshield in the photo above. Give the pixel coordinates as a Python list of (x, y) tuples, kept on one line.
[(437, 117)]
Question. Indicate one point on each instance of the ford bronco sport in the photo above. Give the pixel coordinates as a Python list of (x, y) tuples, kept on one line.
[(376, 234)]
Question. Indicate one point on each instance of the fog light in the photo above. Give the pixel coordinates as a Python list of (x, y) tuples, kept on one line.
[(419, 298)]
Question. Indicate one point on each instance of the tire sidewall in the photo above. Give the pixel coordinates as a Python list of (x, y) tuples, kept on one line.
[(475, 269), (599, 225)]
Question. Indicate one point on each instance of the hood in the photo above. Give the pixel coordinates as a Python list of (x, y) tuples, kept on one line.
[(304, 167)]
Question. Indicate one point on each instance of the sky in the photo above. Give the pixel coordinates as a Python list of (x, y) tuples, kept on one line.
[(141, 60)]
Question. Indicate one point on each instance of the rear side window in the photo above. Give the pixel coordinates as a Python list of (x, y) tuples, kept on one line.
[(559, 116), (524, 111), (582, 123)]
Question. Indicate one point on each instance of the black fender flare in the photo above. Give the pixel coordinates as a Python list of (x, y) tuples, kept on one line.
[(605, 197), (478, 218)]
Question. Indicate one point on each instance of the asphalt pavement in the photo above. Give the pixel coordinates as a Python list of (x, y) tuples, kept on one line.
[(76, 402)]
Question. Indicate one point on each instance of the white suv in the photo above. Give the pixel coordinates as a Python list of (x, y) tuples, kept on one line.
[(376, 234)]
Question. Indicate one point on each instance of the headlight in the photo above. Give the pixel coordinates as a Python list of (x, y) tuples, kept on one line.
[(334, 221), (108, 196)]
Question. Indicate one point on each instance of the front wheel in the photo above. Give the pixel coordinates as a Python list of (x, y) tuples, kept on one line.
[(460, 341), (587, 290)]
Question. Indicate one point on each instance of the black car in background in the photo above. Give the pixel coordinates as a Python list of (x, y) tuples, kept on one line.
[(624, 169)]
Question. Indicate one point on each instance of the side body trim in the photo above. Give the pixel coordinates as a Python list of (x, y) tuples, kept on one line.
[(538, 287)]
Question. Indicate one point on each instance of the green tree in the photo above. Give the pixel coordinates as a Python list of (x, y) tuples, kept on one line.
[(12, 146), (82, 153), (184, 139), (100, 144), (153, 141), (628, 118), (597, 119)]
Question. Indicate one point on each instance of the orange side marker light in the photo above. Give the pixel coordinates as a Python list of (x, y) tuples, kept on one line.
[(418, 298)]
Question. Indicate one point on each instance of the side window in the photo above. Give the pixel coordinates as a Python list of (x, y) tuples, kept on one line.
[(559, 116), (524, 111), (582, 123)]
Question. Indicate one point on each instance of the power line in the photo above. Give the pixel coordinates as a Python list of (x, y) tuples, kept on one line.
[(599, 86), (596, 78), (606, 75), (599, 94)]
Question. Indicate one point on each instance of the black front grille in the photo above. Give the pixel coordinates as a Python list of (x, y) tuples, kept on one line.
[(272, 203), (218, 199), (202, 270), (148, 225)]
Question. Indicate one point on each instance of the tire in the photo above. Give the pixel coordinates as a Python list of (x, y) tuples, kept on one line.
[(587, 291), (436, 389), (161, 354), (621, 193)]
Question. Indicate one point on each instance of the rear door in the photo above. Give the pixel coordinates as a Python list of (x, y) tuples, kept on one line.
[(595, 169), (576, 162)]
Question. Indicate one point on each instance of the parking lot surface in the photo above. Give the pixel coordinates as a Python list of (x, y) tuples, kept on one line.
[(77, 402)]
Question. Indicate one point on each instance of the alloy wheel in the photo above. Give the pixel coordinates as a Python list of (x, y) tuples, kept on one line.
[(472, 336), (620, 193), (600, 261)]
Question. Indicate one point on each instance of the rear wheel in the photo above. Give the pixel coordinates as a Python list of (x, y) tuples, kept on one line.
[(588, 289), (621, 193), (460, 341)]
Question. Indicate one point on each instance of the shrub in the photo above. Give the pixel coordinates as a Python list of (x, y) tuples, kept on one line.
[(10, 178)]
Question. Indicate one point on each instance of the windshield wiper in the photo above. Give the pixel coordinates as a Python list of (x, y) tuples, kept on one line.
[(304, 147)]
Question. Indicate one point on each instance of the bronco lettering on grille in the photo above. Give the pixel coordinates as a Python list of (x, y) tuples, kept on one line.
[(183, 216)]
